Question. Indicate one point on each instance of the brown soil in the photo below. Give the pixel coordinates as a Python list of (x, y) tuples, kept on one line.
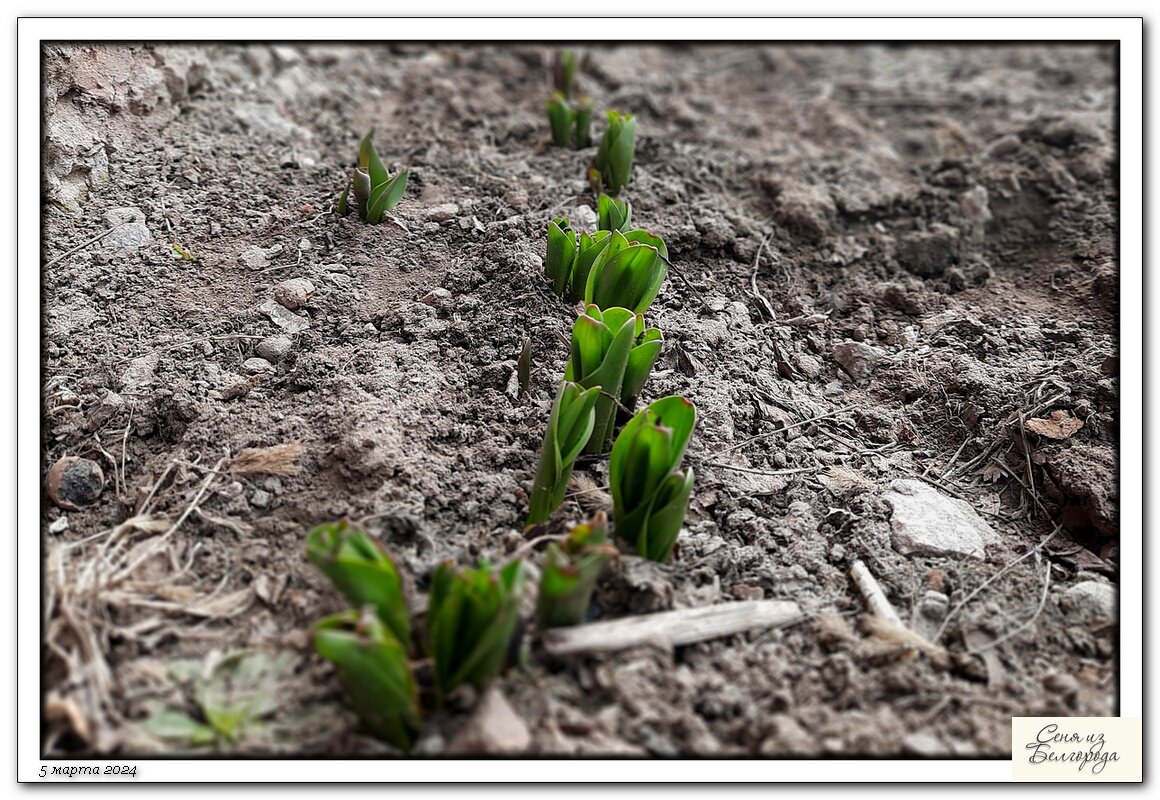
[(952, 207)]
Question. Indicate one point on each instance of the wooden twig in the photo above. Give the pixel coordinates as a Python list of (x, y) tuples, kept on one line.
[(84, 244), (672, 628), (875, 598)]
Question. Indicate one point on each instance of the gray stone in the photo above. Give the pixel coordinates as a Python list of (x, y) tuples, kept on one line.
[(265, 117), (442, 212), (284, 318), (1091, 601), (927, 522), (128, 231), (260, 499), (494, 729), (274, 348), (254, 258), (254, 365), (858, 359)]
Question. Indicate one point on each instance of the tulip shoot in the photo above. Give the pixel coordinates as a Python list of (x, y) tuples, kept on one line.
[(372, 665), (569, 428), (612, 169), (627, 274), (472, 615), (570, 572), (649, 494), (612, 214), (361, 570), (375, 192), (601, 344)]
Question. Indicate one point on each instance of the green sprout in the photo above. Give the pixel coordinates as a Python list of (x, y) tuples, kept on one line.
[(361, 570), (375, 191), (564, 72), (601, 343), (524, 366), (613, 215), (373, 667), (570, 573), (569, 427), (627, 273), (561, 254), (612, 168), (583, 109), (471, 618), (588, 247), (646, 347), (649, 494), (562, 120)]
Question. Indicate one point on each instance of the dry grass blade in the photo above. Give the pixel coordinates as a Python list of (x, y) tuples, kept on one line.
[(280, 459)]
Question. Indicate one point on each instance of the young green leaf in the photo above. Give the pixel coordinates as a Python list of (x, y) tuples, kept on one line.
[(471, 619), (625, 275), (570, 572), (375, 673), (645, 349), (341, 207), (374, 190), (564, 72), (561, 254), (601, 342), (613, 164), (583, 136), (612, 214), (588, 248), (649, 496), (562, 120), (524, 366), (361, 570), (569, 428)]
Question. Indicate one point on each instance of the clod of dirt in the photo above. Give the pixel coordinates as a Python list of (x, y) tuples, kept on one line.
[(1058, 425), (274, 348), (801, 208), (858, 359), (494, 729), (294, 293), (128, 231), (1090, 601), (1085, 478), (928, 253), (928, 523), (254, 257), (74, 482), (636, 586)]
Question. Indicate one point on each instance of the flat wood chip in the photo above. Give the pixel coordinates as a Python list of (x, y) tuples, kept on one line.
[(1058, 425)]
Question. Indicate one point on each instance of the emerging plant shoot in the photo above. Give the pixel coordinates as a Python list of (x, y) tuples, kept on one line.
[(361, 570), (471, 617), (627, 273), (375, 192), (569, 427), (372, 665), (612, 169), (612, 214), (649, 494), (601, 343), (570, 572)]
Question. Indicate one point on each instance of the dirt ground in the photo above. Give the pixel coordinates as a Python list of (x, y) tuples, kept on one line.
[(890, 264)]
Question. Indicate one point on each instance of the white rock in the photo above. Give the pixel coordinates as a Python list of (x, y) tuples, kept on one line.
[(282, 317), (584, 217), (442, 212), (858, 359), (493, 729), (1090, 600), (59, 525), (926, 522), (923, 744), (128, 230), (254, 258), (274, 348), (253, 365)]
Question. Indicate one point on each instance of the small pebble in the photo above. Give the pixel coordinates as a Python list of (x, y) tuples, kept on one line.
[(274, 348), (59, 525), (255, 365), (74, 482), (294, 293), (442, 212)]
